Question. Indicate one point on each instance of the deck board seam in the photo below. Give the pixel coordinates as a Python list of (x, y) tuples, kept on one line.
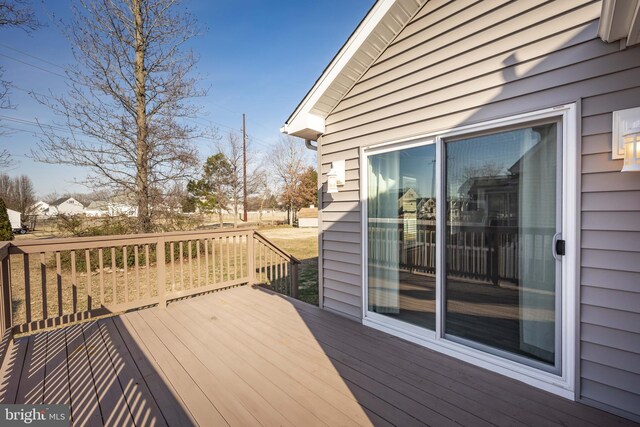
[(24, 360), (185, 369), (93, 378), (113, 368), (141, 344), (285, 391)]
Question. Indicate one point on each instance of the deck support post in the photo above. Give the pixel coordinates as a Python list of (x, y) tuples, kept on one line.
[(294, 279), (161, 266), (251, 259)]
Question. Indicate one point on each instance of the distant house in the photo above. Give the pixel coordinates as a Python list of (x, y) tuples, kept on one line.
[(97, 208), (15, 220), (68, 206), (43, 209), (516, 114), (308, 217)]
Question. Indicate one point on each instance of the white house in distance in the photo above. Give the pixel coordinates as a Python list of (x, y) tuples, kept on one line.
[(68, 206), (43, 209), (14, 219)]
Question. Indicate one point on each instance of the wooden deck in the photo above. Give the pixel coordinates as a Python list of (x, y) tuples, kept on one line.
[(247, 356)]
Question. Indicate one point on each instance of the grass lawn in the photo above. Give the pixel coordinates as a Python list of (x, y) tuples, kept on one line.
[(303, 244)]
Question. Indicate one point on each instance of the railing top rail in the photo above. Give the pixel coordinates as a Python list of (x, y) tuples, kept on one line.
[(266, 241), (117, 240)]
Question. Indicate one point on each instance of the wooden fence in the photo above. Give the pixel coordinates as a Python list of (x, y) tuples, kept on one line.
[(51, 282), (483, 253)]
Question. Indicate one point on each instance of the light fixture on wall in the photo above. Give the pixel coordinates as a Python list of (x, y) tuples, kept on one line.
[(625, 141), (335, 176), (631, 150)]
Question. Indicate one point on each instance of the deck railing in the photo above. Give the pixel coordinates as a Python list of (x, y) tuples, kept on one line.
[(484, 253), (51, 282)]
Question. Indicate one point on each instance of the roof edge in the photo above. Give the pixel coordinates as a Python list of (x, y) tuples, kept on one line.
[(297, 122)]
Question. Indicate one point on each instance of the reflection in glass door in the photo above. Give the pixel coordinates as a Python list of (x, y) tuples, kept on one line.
[(401, 228), (502, 215)]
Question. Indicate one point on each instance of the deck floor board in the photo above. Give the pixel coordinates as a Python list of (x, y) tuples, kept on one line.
[(246, 356)]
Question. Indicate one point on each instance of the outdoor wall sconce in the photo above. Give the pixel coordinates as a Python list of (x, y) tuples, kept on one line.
[(632, 150), (335, 176), (625, 141)]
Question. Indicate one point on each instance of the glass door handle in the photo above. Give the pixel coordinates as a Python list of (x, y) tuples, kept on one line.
[(558, 246)]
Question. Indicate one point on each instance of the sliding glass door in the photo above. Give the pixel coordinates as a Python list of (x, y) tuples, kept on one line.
[(502, 192), (461, 239), (401, 235)]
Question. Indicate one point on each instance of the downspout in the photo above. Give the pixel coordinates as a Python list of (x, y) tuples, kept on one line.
[(307, 143)]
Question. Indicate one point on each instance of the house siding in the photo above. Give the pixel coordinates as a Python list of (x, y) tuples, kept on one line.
[(465, 62)]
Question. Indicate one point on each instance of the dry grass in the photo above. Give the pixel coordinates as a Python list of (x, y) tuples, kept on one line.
[(303, 244)]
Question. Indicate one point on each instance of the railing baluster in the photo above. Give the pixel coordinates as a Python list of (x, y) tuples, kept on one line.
[(27, 287), (213, 259), (43, 277), (114, 297), (148, 261), (251, 259), (74, 284), (206, 243), (124, 266), (161, 265), (136, 265), (181, 251), (242, 269), (101, 267), (228, 278), (172, 248), (235, 258), (221, 253), (198, 260), (87, 256), (59, 282), (190, 264)]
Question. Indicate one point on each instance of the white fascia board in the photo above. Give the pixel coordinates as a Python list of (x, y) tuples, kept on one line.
[(634, 29), (306, 126), (618, 19), (297, 125)]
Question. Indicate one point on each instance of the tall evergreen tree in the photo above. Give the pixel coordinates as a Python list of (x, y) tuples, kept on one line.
[(5, 225)]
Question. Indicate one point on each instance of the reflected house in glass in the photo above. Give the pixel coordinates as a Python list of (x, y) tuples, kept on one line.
[(489, 221)]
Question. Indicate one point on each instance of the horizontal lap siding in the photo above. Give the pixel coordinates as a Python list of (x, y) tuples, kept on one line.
[(469, 61)]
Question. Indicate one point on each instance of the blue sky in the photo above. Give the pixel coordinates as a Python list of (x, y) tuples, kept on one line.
[(258, 56)]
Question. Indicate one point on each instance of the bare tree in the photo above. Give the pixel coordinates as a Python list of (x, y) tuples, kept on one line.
[(289, 160), (128, 98), (232, 149), (18, 192), (14, 14), (5, 158), (18, 13)]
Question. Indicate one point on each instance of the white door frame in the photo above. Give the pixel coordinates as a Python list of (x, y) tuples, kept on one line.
[(563, 384)]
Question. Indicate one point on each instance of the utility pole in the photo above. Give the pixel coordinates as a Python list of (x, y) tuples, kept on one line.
[(244, 166)]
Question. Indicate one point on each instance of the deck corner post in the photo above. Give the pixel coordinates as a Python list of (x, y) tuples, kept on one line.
[(294, 279), (161, 265), (251, 261), (5, 280)]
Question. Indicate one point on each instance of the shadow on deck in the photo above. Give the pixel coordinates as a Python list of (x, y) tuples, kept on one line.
[(248, 356)]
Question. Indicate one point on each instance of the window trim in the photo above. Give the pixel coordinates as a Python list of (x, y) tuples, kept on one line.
[(561, 384)]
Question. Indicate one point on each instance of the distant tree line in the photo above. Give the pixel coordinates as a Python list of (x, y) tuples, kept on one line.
[(18, 192), (284, 180)]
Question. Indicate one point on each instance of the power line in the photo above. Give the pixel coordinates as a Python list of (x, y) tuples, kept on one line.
[(34, 66), (32, 56)]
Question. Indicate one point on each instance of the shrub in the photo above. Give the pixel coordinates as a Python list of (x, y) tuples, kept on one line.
[(6, 233)]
